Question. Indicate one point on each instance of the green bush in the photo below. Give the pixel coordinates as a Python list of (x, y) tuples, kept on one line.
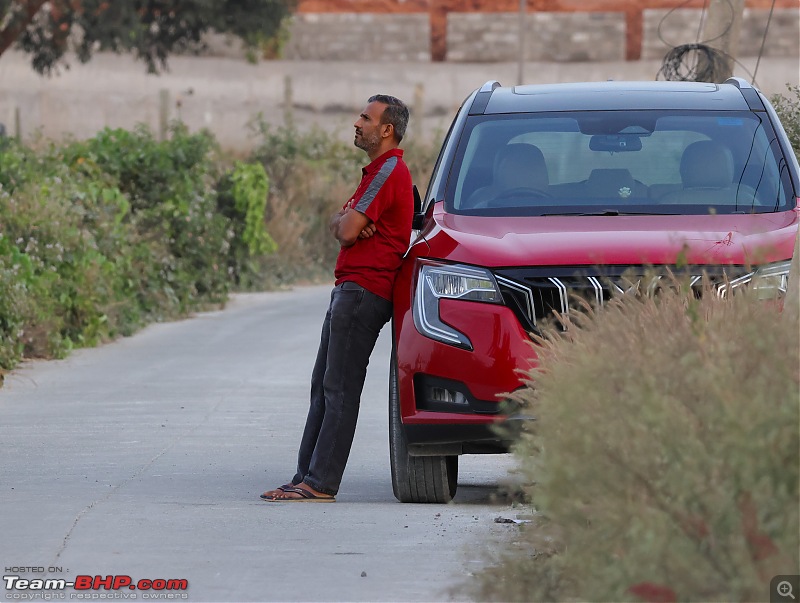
[(99, 237), (242, 195), (15, 276), (170, 186), (63, 276), (664, 459)]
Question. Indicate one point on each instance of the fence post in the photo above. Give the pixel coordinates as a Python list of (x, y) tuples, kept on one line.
[(418, 108), (288, 101), (791, 304), (17, 124), (163, 113)]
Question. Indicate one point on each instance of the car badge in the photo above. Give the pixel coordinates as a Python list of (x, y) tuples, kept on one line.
[(625, 192)]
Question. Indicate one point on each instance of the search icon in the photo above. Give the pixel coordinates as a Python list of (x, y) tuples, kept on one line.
[(784, 589)]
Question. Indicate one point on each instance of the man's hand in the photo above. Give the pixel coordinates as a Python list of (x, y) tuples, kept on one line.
[(368, 231), (333, 225)]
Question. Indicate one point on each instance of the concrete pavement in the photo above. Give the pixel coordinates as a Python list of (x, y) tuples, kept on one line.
[(145, 458)]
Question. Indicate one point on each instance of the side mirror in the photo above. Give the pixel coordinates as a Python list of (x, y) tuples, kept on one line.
[(419, 217), (417, 200)]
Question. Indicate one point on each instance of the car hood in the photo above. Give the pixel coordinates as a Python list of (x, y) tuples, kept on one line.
[(610, 240)]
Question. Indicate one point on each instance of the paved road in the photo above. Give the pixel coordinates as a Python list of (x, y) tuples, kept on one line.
[(146, 457)]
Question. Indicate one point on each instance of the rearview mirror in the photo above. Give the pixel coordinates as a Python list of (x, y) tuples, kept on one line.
[(615, 143)]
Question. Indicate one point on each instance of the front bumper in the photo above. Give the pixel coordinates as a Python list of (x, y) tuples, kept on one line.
[(452, 398), (445, 440)]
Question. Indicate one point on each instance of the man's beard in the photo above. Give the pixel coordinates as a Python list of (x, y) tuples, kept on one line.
[(367, 143)]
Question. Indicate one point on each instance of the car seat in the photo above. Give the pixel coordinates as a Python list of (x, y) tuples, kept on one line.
[(706, 175), (517, 166)]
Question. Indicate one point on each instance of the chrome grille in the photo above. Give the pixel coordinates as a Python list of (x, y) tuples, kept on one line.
[(536, 294)]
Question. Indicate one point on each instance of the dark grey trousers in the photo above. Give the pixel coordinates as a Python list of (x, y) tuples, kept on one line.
[(351, 327)]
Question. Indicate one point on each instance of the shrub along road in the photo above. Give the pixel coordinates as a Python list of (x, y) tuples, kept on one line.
[(145, 458)]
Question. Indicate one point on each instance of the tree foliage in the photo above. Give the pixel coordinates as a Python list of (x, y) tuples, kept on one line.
[(151, 29)]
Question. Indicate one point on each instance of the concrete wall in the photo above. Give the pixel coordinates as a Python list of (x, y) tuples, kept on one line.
[(224, 94), (489, 37)]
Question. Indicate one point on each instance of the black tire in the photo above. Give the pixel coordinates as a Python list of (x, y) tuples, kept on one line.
[(416, 479)]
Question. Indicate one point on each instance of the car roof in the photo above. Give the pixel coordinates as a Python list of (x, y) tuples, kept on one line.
[(600, 96)]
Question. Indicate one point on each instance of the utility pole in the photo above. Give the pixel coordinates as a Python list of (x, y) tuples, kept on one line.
[(721, 31), (523, 10), (791, 304)]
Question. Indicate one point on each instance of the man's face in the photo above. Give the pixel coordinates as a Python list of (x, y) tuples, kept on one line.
[(368, 127)]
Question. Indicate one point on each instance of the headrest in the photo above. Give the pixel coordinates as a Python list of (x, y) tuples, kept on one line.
[(706, 164), (521, 165)]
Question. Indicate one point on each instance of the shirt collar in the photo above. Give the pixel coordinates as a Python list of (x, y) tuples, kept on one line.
[(376, 165)]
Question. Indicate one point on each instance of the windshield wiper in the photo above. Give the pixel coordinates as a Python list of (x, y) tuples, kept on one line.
[(606, 212)]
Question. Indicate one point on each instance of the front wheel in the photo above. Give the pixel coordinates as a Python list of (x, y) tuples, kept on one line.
[(416, 479)]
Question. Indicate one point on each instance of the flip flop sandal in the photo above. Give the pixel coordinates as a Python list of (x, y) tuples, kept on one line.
[(283, 488), (305, 496)]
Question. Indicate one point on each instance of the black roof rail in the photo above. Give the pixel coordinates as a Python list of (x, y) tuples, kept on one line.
[(483, 96), (749, 93), (739, 82)]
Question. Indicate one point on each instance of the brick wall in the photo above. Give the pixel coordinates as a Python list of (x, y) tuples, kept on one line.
[(359, 36), (553, 36), (481, 37)]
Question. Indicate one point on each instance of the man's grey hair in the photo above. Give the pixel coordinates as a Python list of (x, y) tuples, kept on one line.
[(396, 113)]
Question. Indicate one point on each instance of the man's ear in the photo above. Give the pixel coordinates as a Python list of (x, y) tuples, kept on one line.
[(387, 130)]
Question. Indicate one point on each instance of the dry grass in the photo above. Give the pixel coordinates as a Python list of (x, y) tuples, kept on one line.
[(665, 455)]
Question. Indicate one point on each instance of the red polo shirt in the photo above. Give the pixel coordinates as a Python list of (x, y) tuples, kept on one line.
[(385, 196)]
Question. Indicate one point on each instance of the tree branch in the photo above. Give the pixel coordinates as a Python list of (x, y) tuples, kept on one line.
[(15, 27)]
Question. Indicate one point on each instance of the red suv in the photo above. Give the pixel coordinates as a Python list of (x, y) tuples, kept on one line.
[(543, 193)]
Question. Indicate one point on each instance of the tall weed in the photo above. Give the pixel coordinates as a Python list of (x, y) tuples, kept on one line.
[(665, 456), (311, 176), (788, 109)]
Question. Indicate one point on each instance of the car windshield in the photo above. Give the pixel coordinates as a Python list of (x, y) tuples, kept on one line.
[(619, 162)]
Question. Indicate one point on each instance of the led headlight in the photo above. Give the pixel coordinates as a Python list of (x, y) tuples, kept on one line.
[(437, 281), (768, 282)]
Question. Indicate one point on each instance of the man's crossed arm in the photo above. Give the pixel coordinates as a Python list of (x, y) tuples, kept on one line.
[(348, 225)]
